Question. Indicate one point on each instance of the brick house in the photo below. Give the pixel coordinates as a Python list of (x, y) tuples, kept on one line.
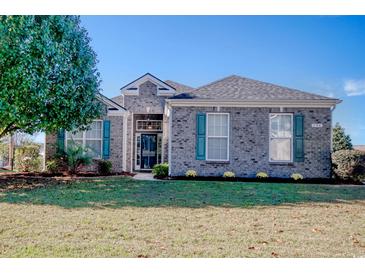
[(233, 124)]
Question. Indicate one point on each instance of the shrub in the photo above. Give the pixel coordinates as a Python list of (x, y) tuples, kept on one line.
[(104, 167), (4, 153), (161, 170), (191, 173), (349, 164), (297, 176), (53, 166), (229, 174), (262, 175), (27, 158), (76, 157)]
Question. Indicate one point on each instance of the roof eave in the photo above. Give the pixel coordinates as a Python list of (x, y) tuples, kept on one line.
[(110, 102), (319, 103)]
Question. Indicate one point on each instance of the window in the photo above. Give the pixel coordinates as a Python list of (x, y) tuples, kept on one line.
[(149, 125), (281, 137), (217, 136), (90, 139)]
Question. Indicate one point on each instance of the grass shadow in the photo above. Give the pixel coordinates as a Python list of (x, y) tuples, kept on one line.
[(124, 192)]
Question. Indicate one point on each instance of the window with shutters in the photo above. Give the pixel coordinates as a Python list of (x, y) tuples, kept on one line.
[(281, 137), (217, 137), (91, 139)]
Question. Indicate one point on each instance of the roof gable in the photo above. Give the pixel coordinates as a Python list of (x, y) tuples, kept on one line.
[(163, 89), (113, 108)]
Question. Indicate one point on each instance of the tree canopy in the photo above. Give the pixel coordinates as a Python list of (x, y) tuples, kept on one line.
[(48, 75), (340, 140)]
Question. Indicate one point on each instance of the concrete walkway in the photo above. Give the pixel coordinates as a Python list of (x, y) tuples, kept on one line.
[(144, 176)]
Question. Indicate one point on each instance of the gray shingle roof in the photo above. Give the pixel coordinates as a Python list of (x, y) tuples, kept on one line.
[(240, 88), (179, 87)]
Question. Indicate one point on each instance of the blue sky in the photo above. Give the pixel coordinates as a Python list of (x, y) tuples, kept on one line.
[(320, 54)]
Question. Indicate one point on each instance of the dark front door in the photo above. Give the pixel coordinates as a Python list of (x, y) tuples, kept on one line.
[(148, 150)]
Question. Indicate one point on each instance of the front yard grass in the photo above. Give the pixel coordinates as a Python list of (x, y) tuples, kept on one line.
[(129, 218)]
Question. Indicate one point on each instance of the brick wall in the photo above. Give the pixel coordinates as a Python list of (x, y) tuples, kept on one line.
[(249, 143)]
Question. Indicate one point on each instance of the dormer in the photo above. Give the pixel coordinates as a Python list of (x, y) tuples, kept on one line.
[(162, 88)]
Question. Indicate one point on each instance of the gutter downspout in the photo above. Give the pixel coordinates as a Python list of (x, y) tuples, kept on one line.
[(332, 109), (331, 147)]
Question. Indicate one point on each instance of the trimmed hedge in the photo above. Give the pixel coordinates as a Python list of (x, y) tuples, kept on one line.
[(349, 164)]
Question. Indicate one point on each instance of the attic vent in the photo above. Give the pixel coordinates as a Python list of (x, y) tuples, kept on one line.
[(132, 88), (163, 89)]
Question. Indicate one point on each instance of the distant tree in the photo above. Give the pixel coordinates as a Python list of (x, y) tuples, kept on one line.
[(340, 140), (48, 74)]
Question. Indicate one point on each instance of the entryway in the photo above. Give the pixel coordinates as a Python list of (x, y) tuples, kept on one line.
[(148, 141), (148, 150)]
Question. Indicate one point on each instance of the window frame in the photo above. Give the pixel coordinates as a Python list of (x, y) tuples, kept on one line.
[(83, 139), (152, 130), (207, 136), (291, 138)]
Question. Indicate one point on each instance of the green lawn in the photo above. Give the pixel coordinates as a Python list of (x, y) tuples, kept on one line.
[(129, 218)]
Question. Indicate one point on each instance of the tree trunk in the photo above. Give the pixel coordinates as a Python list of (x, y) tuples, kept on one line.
[(11, 151)]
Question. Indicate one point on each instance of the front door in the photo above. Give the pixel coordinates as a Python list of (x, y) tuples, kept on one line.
[(148, 150)]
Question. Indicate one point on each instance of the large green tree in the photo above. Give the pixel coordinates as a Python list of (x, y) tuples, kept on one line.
[(48, 75), (340, 140)]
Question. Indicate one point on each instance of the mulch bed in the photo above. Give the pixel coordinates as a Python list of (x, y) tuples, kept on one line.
[(270, 180), (30, 180)]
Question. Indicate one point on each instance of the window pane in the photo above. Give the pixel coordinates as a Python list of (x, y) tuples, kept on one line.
[(280, 150), (74, 142), (274, 121), (217, 125), (285, 126), (95, 130), (224, 125), (93, 148), (76, 135), (138, 150), (281, 125), (211, 123), (149, 125), (217, 148)]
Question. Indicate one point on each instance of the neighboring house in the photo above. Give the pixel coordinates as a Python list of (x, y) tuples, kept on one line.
[(233, 124)]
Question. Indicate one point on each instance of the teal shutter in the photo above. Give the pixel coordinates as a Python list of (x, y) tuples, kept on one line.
[(200, 136), (106, 139), (61, 141), (298, 138)]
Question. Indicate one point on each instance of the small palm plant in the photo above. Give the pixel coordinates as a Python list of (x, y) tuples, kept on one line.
[(76, 157)]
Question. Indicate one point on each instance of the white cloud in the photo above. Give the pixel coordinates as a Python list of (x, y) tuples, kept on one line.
[(354, 87)]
